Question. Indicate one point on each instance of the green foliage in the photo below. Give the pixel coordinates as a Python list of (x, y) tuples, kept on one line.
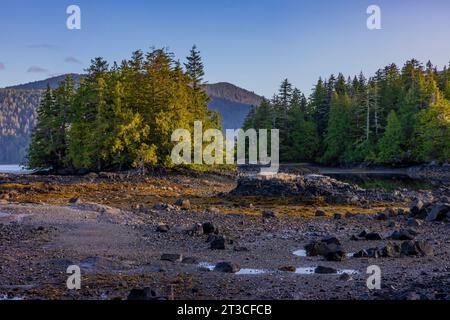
[(336, 138), (396, 116), (432, 132), (390, 145), (121, 116)]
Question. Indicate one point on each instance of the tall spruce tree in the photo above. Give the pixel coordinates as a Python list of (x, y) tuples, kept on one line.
[(194, 68), (390, 145)]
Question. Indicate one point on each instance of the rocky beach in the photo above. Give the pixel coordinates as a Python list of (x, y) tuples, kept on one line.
[(220, 235)]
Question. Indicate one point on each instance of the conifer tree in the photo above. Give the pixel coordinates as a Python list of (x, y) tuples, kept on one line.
[(390, 145), (195, 68)]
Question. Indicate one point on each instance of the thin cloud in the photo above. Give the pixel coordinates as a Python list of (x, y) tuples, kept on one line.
[(36, 69), (72, 60), (42, 46), (2, 66)]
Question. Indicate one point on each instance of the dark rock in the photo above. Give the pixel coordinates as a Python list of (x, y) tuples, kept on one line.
[(315, 248), (142, 294), (160, 206), (345, 277), (269, 214), (416, 207), (227, 267), (414, 223), (363, 234), (350, 215), (172, 257), (163, 228), (334, 252), (208, 228), (414, 248), (361, 254), (329, 247), (311, 186), (403, 235), (325, 270), (190, 260), (218, 243), (287, 268), (320, 213), (337, 216), (391, 251), (330, 240), (382, 216), (373, 236), (74, 200), (438, 212)]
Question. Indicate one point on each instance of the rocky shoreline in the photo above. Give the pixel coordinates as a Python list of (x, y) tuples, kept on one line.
[(198, 237), (431, 171), (314, 187)]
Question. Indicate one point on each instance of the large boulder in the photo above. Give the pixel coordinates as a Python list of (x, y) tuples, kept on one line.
[(416, 206), (419, 209), (392, 250), (438, 212), (416, 248), (334, 252), (315, 248), (217, 242), (144, 294), (330, 248), (209, 228)]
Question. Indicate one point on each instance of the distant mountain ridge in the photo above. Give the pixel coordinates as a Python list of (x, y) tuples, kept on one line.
[(42, 84), (228, 91), (18, 106), (222, 90)]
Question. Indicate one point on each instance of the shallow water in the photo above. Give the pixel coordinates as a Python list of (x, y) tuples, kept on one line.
[(302, 253), (246, 271), (383, 181), (302, 271), (9, 217), (10, 298), (243, 271), (13, 168), (5, 215), (311, 271)]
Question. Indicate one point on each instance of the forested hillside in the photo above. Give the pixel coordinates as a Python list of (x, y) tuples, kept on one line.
[(397, 116), (228, 91), (17, 118), (232, 102)]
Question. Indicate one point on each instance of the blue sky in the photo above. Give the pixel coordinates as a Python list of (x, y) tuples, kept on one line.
[(251, 43)]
